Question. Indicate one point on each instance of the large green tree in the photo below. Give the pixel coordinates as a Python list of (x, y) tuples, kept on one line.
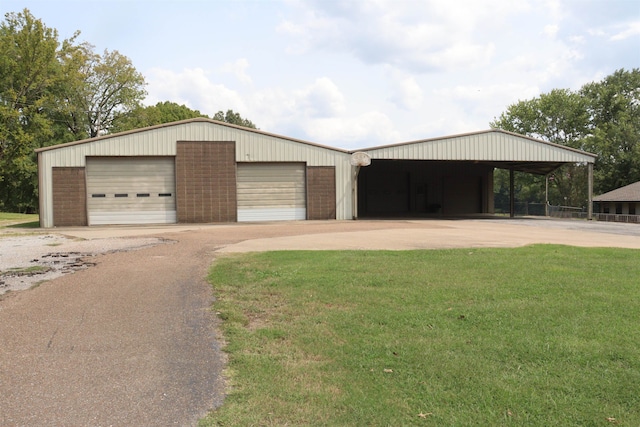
[(559, 117), (100, 90), (30, 71), (53, 92), (613, 106), (112, 86), (602, 117)]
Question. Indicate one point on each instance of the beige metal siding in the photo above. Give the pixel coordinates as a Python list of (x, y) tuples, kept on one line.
[(161, 141), (484, 146), (271, 191), (131, 190), (256, 146)]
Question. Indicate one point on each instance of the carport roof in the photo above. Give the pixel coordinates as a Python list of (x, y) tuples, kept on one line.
[(495, 147)]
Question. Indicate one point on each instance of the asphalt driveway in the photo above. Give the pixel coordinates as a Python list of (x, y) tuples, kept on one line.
[(132, 340)]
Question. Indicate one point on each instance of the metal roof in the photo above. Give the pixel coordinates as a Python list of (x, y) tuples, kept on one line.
[(628, 193), (186, 121), (495, 147)]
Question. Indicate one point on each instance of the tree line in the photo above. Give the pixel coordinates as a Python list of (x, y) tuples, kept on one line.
[(54, 91)]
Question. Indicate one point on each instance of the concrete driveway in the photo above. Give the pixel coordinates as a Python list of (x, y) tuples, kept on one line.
[(131, 341)]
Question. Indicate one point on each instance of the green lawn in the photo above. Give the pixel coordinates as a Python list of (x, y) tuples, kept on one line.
[(535, 336), (19, 220)]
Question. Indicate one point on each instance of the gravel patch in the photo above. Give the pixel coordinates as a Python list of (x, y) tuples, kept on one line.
[(28, 260)]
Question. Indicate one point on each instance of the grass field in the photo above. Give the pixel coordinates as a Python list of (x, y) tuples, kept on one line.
[(19, 220), (534, 336)]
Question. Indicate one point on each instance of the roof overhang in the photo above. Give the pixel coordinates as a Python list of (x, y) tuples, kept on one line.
[(495, 147), (536, 168)]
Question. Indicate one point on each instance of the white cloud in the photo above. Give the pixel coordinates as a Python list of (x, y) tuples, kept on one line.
[(554, 10), (320, 99), (550, 31), (363, 130), (406, 92), (193, 88), (617, 32), (239, 69), (487, 100), (316, 112), (577, 39), (417, 36), (598, 32), (629, 30), (272, 109)]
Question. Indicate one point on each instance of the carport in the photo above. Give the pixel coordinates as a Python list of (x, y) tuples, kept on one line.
[(453, 175)]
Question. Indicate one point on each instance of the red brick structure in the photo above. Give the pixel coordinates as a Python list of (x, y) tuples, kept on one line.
[(206, 182), (69, 196), (321, 192)]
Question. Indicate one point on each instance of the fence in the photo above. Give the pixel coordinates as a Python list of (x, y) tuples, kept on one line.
[(617, 217), (537, 209), (567, 212), (521, 208)]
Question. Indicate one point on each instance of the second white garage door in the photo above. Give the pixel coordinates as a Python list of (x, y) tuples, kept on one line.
[(271, 191), (131, 190)]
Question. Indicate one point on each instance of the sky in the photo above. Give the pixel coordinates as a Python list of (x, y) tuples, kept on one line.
[(356, 73)]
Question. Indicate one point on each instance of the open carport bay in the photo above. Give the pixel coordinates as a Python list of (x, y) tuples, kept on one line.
[(392, 188)]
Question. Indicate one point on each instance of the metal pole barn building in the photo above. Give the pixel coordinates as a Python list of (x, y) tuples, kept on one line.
[(205, 171)]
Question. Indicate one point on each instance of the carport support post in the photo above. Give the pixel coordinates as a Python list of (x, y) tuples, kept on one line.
[(512, 198), (546, 195), (354, 191), (590, 191)]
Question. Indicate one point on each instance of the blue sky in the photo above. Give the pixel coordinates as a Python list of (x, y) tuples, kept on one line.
[(356, 73)]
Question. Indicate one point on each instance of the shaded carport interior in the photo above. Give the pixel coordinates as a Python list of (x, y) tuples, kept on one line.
[(454, 175)]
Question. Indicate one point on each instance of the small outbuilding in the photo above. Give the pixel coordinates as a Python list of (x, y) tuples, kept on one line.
[(620, 204), (205, 171)]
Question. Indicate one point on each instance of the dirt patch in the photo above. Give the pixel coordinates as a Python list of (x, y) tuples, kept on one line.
[(29, 259)]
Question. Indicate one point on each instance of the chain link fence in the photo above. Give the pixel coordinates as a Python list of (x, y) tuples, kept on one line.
[(538, 209)]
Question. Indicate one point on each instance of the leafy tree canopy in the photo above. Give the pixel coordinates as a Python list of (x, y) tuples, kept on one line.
[(602, 117), (162, 112), (613, 105), (234, 118), (167, 112), (30, 74), (53, 92)]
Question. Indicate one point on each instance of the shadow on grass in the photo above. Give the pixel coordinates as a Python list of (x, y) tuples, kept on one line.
[(31, 224)]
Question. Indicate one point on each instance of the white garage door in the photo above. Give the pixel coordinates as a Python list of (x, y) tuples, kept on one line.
[(271, 191), (131, 190)]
